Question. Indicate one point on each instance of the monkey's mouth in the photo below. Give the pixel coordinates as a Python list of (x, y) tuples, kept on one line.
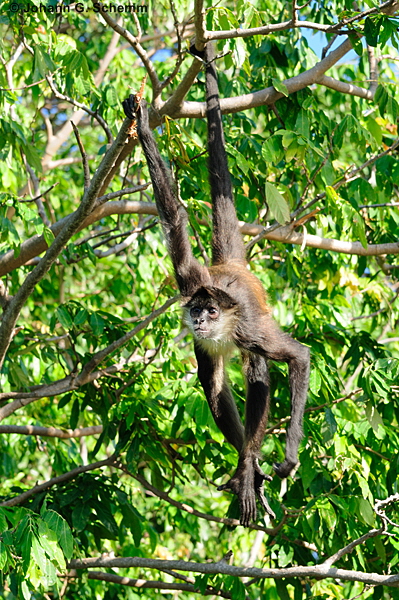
[(201, 332)]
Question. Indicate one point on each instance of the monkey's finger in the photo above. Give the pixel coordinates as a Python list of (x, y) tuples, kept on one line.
[(260, 476), (225, 486), (248, 511), (265, 477)]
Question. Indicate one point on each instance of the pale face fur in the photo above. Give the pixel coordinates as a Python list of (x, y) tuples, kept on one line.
[(211, 326)]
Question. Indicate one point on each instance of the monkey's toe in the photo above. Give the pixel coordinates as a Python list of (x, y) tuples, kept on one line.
[(260, 476), (248, 512), (285, 468)]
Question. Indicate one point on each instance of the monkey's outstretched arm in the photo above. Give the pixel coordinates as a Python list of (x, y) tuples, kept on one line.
[(211, 373), (190, 274), (267, 340), (227, 241)]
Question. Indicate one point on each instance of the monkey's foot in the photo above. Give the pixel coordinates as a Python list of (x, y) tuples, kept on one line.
[(247, 483), (285, 468)]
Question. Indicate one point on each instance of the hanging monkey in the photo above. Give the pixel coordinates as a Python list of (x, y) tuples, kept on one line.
[(225, 308)]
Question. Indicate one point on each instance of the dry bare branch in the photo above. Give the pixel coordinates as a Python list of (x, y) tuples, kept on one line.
[(221, 567), (51, 431), (57, 480)]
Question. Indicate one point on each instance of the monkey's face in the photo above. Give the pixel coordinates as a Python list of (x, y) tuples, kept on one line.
[(211, 314), (204, 320)]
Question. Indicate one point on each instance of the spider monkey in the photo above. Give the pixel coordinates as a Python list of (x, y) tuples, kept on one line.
[(225, 307)]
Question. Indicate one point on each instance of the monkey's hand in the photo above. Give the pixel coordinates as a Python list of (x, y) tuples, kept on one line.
[(136, 108), (247, 483)]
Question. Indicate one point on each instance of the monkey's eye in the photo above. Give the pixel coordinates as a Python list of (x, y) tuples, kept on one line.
[(195, 312), (213, 312)]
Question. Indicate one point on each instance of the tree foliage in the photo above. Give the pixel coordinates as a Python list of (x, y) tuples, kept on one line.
[(109, 456)]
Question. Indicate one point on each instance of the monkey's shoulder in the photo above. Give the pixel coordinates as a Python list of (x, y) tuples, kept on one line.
[(243, 286)]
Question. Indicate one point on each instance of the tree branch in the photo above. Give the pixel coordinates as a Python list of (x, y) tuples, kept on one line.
[(37, 244), (70, 228), (51, 431), (138, 48), (192, 511), (221, 567), (73, 381), (157, 585), (345, 88), (56, 480)]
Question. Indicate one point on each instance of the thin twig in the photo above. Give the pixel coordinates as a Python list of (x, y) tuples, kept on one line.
[(380, 311), (57, 480), (83, 154), (39, 196), (314, 408), (157, 585), (88, 110), (350, 547), (197, 513)]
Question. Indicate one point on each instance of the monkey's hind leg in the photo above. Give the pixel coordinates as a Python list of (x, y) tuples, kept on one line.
[(248, 480)]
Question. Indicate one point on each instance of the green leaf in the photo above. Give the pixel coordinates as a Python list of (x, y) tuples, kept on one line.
[(241, 161), (133, 522), (279, 86), (285, 556), (282, 591), (201, 413), (81, 317), (302, 125), (64, 317), (375, 130), (366, 511), (97, 323), (3, 555), (356, 42), (48, 236), (38, 554), (64, 536), (372, 27), (48, 541), (277, 204), (75, 412), (43, 63)]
